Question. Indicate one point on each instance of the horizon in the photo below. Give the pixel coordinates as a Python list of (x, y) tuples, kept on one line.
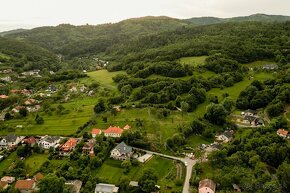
[(32, 13), (11, 27)]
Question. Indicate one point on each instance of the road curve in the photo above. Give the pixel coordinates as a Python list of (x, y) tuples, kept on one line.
[(190, 164)]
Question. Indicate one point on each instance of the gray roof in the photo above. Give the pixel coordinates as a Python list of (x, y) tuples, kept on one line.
[(11, 138), (74, 185), (50, 139), (105, 188), (250, 118), (123, 148), (251, 111)]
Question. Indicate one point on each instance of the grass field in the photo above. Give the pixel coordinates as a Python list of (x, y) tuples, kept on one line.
[(193, 61), (34, 162), (102, 76), (112, 172), (80, 111), (8, 162), (195, 140)]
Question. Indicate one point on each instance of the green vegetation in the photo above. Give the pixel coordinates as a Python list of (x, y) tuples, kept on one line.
[(111, 171), (8, 162), (34, 162), (193, 61)]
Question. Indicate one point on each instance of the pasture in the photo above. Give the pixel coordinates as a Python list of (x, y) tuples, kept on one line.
[(192, 61)]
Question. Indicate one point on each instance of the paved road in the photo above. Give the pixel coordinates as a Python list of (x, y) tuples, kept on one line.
[(190, 164)]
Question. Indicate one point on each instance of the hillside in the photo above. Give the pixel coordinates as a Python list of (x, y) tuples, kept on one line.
[(254, 17), (73, 41), (22, 55)]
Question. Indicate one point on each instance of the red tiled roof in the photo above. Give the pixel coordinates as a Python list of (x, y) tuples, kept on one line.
[(96, 131), (72, 142), (24, 184), (30, 140), (114, 130), (282, 132)]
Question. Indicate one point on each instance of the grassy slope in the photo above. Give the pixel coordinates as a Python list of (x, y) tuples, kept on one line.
[(5, 164), (34, 162)]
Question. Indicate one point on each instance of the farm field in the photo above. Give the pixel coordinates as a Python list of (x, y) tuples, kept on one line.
[(164, 168), (193, 61), (102, 76), (80, 111)]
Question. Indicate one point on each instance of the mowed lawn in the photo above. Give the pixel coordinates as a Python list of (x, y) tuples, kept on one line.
[(80, 111), (195, 140), (112, 172), (103, 77), (8, 162), (193, 61), (34, 162), (259, 63)]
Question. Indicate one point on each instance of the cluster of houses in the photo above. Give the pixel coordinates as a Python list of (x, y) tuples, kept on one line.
[(251, 117)]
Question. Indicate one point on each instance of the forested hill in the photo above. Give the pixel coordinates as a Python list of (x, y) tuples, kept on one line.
[(73, 41), (22, 55), (255, 17)]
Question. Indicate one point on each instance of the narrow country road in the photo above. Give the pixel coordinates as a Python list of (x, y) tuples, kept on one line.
[(190, 164)]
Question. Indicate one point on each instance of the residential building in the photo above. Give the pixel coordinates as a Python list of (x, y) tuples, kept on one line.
[(8, 179), (25, 186), (31, 141), (282, 133), (51, 88), (249, 112), (106, 188), (122, 152), (224, 137), (74, 186), (127, 127), (88, 148), (96, 132), (206, 186), (48, 142), (4, 96), (69, 145), (113, 132), (270, 67), (12, 140)]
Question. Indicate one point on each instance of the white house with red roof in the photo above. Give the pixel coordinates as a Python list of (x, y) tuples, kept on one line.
[(69, 145), (113, 132), (96, 132), (282, 133)]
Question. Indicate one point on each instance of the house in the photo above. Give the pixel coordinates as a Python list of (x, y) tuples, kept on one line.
[(37, 177), (134, 184), (74, 186), (236, 188), (206, 186), (4, 96), (83, 88), (8, 179), (249, 112), (30, 102), (122, 152), (48, 142), (6, 79), (282, 133), (225, 137), (31, 141), (3, 185), (34, 108), (113, 132), (12, 140), (69, 145), (91, 93), (96, 132), (106, 188), (270, 67), (117, 108), (127, 127), (25, 186), (51, 88), (88, 148), (17, 109), (3, 143)]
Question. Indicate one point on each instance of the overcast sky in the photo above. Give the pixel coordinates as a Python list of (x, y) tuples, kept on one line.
[(32, 13)]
